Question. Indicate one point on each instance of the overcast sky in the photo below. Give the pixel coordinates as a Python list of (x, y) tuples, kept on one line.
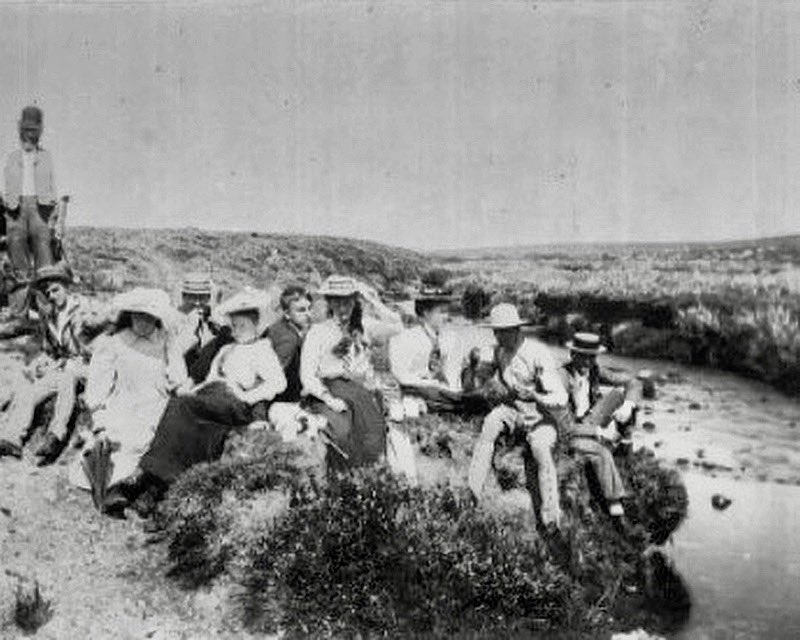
[(427, 125)]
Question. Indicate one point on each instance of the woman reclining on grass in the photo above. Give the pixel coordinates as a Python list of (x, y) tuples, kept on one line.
[(336, 373), (243, 375)]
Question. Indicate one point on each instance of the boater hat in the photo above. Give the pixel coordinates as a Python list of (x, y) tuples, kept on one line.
[(434, 294), (197, 283), (339, 287), (585, 342), (505, 316)]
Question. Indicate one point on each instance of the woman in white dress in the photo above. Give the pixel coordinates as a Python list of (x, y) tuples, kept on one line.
[(131, 375)]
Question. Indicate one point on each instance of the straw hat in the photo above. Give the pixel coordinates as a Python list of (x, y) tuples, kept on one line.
[(505, 316), (248, 299), (585, 342), (339, 287), (197, 283), (153, 302), (53, 272)]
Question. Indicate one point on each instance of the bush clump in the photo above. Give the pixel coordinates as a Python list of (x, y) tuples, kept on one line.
[(367, 554)]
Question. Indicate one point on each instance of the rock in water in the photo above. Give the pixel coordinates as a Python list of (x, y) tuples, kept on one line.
[(720, 502)]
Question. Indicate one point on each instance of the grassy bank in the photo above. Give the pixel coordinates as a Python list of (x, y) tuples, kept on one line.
[(735, 306)]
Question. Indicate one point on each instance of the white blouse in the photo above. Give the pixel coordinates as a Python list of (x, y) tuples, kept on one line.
[(253, 368), (317, 360)]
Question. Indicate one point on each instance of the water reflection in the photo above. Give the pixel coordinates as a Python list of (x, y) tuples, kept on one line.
[(743, 563), (667, 596)]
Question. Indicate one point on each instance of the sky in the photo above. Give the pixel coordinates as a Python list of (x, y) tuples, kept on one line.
[(420, 124)]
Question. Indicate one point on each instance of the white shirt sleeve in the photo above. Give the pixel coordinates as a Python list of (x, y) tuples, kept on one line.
[(402, 354), (310, 358), (102, 373), (268, 369)]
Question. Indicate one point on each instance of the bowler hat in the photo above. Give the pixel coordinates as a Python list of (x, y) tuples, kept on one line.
[(585, 342), (31, 119)]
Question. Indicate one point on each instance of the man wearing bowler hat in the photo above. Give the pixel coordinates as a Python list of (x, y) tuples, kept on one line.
[(592, 412), (29, 199), (534, 402)]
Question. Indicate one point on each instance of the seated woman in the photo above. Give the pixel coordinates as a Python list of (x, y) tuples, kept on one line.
[(243, 374), (336, 374), (130, 377)]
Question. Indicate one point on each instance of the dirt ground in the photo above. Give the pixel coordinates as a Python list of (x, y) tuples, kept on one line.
[(106, 581)]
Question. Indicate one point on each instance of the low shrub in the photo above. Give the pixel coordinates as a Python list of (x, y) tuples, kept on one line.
[(31, 609), (366, 554)]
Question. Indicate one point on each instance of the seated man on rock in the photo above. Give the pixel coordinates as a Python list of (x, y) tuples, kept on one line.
[(594, 417), (287, 335), (534, 400), (68, 322), (420, 358)]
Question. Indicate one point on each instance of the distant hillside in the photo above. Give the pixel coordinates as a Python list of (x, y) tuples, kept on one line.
[(779, 249), (126, 257)]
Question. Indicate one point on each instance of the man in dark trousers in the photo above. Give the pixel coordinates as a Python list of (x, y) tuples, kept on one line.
[(593, 412), (29, 199), (287, 335)]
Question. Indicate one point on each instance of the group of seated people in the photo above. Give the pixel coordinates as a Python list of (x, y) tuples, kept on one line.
[(165, 386)]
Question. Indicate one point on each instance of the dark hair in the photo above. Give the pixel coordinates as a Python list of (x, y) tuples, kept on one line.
[(252, 314), (124, 321), (421, 307), (291, 293), (355, 325)]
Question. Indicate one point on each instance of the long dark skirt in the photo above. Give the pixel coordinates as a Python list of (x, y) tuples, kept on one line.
[(360, 432), (193, 429)]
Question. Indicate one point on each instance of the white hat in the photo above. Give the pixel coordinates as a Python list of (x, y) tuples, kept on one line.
[(505, 316), (585, 342), (249, 299), (153, 302), (339, 287)]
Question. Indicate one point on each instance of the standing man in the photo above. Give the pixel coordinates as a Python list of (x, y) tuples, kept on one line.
[(30, 196), (591, 412), (534, 400)]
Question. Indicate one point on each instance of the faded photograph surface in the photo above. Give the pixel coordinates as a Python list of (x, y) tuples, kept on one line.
[(400, 319)]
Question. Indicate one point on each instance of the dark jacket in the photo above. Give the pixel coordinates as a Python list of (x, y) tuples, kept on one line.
[(286, 341)]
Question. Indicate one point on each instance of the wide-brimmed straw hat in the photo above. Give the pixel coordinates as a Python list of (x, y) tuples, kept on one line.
[(505, 316), (53, 273), (339, 287), (585, 342), (153, 302), (248, 299)]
